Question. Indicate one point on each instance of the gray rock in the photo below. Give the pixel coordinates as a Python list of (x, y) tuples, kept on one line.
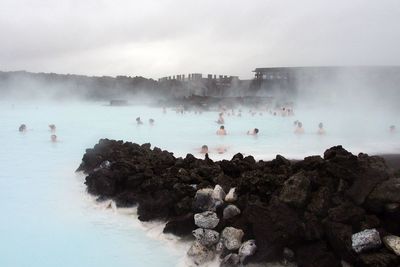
[(231, 260), (231, 211), (365, 240), (219, 248), (209, 199), (231, 196), (392, 242), (200, 254), (248, 248), (206, 237), (207, 219), (203, 200), (232, 238), (288, 254), (218, 193), (296, 190)]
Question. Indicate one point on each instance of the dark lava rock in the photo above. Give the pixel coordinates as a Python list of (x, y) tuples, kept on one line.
[(296, 190), (181, 226), (316, 254), (312, 206)]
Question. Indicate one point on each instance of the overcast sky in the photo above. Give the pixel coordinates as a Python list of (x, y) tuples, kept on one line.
[(158, 38)]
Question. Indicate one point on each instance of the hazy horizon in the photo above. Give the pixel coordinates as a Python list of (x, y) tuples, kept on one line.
[(155, 39)]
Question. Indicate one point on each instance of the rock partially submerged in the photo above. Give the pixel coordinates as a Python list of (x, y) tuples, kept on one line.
[(200, 253), (248, 248), (311, 207)]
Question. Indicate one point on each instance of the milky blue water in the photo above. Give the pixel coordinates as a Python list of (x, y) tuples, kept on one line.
[(47, 219)]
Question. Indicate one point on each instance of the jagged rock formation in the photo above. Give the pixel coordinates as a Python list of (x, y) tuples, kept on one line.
[(305, 211)]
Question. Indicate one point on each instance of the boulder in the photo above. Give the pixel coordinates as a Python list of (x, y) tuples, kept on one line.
[(200, 253), (365, 240), (231, 260), (372, 172), (231, 196), (296, 190), (248, 248), (206, 237), (392, 242), (347, 212), (207, 219), (232, 238), (208, 199), (385, 193), (230, 211), (218, 194), (180, 226)]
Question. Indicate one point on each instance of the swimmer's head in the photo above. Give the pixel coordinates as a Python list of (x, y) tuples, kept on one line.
[(256, 130), (53, 138), (22, 128), (299, 124), (392, 127), (204, 149), (151, 121), (320, 125), (222, 127), (138, 119)]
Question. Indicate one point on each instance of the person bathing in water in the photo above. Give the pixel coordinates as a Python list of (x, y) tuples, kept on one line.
[(53, 138), (204, 149), (22, 128), (138, 121), (221, 119), (299, 128), (221, 130), (52, 128), (321, 130), (253, 132)]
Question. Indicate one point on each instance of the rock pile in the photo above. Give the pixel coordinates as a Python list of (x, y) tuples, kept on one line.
[(320, 211)]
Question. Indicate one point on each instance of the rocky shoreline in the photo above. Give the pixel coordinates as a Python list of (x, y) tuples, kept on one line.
[(339, 210)]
